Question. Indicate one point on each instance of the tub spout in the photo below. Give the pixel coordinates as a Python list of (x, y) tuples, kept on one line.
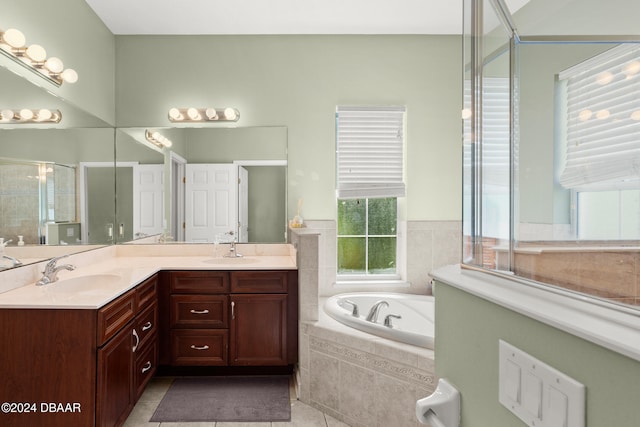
[(373, 313)]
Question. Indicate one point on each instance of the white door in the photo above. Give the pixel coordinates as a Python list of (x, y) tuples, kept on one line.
[(148, 200), (211, 207), (243, 205)]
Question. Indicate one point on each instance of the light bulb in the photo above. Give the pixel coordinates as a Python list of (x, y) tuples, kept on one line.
[(167, 142), (193, 114), (69, 75), (175, 114), (631, 69), (466, 113), (54, 65), (230, 113), (44, 114), (211, 113), (635, 115), (14, 38), (7, 115), (604, 78), (603, 114), (585, 115), (36, 53), (26, 114)]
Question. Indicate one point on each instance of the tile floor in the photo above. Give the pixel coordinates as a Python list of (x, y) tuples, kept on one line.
[(301, 415)]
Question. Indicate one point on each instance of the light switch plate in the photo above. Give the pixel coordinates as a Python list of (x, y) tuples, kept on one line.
[(545, 398)]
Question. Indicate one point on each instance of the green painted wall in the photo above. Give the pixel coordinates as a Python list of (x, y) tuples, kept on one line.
[(467, 332), (297, 81), (70, 30)]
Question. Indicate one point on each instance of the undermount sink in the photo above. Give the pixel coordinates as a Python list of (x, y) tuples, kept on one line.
[(231, 261), (88, 283)]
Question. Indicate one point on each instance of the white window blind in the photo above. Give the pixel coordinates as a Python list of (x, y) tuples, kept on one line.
[(603, 121), (369, 150)]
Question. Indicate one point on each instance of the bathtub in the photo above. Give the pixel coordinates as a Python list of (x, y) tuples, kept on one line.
[(415, 326)]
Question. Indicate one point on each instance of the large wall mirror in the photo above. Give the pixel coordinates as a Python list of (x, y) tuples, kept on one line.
[(208, 185), (49, 177)]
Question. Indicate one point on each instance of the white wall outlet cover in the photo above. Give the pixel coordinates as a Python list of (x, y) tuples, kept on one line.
[(537, 393)]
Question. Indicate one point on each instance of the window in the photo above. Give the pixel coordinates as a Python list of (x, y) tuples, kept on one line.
[(367, 236), (370, 142)]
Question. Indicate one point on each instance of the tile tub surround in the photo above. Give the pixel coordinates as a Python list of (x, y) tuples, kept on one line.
[(362, 380)]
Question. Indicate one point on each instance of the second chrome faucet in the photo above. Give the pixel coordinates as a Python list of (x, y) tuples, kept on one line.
[(50, 273)]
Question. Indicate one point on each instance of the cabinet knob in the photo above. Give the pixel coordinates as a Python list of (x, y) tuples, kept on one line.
[(200, 347)]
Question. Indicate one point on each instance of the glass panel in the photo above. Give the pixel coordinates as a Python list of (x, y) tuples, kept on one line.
[(351, 255), (382, 255), (352, 215), (383, 216)]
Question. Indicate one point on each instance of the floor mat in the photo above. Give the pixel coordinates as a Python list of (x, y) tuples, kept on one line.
[(237, 398)]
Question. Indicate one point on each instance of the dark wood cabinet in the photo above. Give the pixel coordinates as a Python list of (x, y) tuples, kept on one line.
[(231, 318), (258, 330), (79, 367), (115, 379)]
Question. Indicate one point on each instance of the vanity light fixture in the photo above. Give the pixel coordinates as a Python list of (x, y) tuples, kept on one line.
[(157, 139), (192, 114), (27, 115), (34, 57)]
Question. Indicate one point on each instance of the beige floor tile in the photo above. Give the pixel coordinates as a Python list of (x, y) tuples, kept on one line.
[(303, 416), (332, 422), (141, 414)]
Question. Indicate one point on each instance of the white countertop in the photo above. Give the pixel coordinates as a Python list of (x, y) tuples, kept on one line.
[(112, 272)]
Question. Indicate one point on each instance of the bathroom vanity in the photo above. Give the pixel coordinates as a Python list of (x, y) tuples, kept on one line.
[(83, 355)]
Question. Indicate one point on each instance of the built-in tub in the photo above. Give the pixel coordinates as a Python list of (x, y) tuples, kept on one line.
[(415, 326)]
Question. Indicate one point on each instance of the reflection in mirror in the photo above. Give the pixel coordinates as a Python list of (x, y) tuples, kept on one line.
[(570, 215), (221, 184), (43, 193)]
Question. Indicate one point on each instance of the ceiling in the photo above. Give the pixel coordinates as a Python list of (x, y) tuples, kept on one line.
[(280, 16)]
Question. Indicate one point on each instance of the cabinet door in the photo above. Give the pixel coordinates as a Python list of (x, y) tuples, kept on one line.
[(258, 330), (115, 379)]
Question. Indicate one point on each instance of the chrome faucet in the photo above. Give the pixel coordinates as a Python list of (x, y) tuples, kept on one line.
[(14, 261), (50, 273), (373, 313), (233, 253)]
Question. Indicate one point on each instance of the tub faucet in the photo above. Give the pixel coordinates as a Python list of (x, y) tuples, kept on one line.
[(387, 319), (373, 313), (50, 273), (354, 311)]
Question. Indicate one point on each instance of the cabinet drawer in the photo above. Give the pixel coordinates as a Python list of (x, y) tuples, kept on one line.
[(147, 323), (199, 347), (199, 282), (113, 316), (259, 282), (199, 311), (146, 293), (145, 366)]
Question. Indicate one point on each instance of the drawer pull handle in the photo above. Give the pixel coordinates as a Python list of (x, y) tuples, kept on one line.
[(147, 326), (233, 313), (200, 347), (200, 311), (135, 346), (146, 367)]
